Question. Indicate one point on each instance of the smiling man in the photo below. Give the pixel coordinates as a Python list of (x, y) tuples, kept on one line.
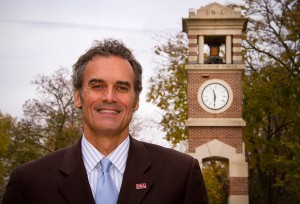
[(107, 165), (107, 99)]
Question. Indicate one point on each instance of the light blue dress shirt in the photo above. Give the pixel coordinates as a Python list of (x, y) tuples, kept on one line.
[(91, 157)]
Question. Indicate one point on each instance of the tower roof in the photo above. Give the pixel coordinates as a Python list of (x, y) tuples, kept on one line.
[(214, 14), (215, 10)]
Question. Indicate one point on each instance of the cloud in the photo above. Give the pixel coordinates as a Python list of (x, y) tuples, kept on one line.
[(72, 25)]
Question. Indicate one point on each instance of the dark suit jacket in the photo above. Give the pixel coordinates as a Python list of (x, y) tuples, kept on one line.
[(164, 176)]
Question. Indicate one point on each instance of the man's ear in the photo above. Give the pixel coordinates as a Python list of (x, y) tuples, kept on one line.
[(136, 105), (77, 99)]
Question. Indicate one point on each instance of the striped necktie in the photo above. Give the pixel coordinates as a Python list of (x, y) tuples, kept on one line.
[(106, 191)]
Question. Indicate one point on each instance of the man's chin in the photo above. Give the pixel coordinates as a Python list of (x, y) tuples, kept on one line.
[(110, 129)]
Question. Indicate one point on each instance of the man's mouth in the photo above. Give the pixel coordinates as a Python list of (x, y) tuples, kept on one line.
[(108, 111)]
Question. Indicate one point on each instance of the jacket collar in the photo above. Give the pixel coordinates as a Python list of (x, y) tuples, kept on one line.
[(136, 183), (75, 188)]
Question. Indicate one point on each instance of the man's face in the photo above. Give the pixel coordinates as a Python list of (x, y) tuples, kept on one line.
[(107, 98)]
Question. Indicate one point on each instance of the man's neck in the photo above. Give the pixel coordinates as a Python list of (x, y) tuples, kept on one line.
[(105, 144)]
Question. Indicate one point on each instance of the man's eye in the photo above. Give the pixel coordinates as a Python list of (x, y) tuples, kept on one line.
[(98, 87), (122, 88)]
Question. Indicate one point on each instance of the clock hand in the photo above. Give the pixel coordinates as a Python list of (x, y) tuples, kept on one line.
[(214, 97)]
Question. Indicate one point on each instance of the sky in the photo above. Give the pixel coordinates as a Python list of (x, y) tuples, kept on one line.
[(40, 36)]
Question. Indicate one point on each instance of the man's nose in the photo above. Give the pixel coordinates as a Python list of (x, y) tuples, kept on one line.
[(109, 95)]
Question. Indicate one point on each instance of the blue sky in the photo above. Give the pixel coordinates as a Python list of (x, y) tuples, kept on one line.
[(39, 36)]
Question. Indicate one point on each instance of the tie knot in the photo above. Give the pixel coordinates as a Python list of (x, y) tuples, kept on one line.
[(105, 164)]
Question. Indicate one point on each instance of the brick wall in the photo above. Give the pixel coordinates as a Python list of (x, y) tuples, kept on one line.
[(193, 49), (236, 49), (238, 186), (229, 135), (234, 79)]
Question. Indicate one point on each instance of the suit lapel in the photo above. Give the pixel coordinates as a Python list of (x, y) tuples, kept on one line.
[(75, 188), (135, 183)]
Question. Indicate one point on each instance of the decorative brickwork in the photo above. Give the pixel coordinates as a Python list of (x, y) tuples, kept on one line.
[(237, 37), (202, 135), (190, 37), (192, 45), (234, 79), (236, 49), (236, 45), (236, 54), (238, 186), (193, 54)]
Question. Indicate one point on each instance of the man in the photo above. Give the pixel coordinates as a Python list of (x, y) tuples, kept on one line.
[(107, 83)]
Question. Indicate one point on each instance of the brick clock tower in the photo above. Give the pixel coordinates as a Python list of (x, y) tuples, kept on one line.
[(214, 71)]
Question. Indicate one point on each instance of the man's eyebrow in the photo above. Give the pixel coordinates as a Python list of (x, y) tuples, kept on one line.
[(96, 81), (125, 83)]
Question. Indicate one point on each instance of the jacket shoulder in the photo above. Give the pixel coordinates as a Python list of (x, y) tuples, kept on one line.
[(45, 163), (164, 154)]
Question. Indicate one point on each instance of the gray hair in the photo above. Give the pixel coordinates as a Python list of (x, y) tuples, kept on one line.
[(107, 47)]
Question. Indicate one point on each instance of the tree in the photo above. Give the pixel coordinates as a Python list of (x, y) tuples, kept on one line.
[(53, 112), (215, 173), (50, 123), (271, 100), (16, 146), (169, 87), (6, 126), (145, 125)]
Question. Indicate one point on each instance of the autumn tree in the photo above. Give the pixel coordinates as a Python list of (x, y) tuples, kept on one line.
[(6, 127), (16, 146), (216, 176), (271, 100), (53, 112), (169, 86), (50, 123)]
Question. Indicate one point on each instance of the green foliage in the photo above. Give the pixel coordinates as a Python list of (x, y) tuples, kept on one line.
[(271, 109), (50, 123), (215, 173), (19, 146), (271, 100), (6, 126), (169, 87), (6, 122), (24, 145)]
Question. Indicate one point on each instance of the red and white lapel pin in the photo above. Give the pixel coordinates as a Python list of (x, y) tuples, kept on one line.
[(140, 186)]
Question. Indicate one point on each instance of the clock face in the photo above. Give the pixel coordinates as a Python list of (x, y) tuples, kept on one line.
[(215, 96)]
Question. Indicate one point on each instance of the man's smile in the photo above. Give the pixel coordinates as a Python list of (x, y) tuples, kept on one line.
[(110, 109)]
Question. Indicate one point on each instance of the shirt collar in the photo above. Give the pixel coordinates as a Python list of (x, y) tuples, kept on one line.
[(91, 156)]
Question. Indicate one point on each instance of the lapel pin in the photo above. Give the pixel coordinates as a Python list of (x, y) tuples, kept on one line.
[(140, 186)]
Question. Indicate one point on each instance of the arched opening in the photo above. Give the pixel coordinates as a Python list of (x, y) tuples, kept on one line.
[(216, 176), (214, 49)]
